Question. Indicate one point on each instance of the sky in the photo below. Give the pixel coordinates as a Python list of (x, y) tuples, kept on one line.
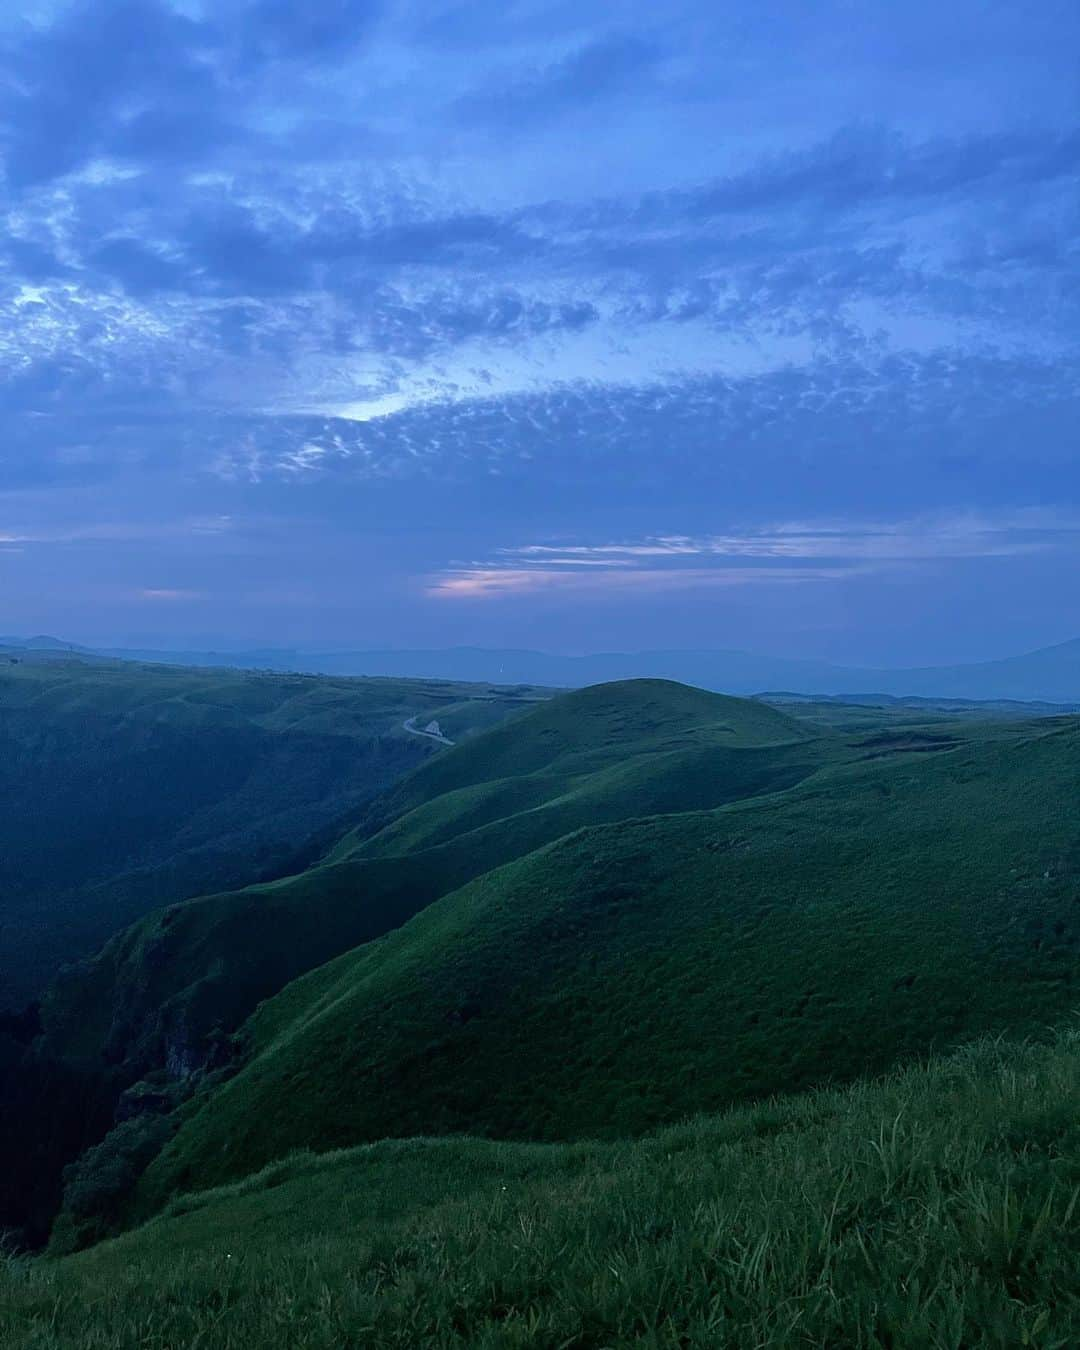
[(575, 326)]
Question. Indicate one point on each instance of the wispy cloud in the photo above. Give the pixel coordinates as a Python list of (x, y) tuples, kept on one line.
[(787, 553), (121, 532), (167, 594), (478, 582)]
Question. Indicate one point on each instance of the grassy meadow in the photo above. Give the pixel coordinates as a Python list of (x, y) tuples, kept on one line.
[(172, 982)]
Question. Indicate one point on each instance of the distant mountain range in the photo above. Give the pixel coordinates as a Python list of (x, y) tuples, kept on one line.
[(1051, 674)]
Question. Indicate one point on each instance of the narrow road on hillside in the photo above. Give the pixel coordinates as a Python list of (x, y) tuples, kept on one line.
[(410, 726)]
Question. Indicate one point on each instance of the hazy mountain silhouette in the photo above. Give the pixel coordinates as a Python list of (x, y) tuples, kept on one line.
[(1051, 674)]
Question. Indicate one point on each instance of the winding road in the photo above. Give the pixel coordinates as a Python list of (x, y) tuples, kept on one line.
[(410, 726)]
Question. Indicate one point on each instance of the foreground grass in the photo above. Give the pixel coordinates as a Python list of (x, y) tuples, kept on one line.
[(936, 1208)]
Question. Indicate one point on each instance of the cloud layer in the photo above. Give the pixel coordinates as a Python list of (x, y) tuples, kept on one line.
[(381, 261)]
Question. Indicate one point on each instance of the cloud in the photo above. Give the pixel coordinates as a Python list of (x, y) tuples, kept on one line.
[(213, 290), (100, 80), (778, 555), (89, 392), (236, 252), (481, 582), (122, 531), (190, 288), (885, 415), (142, 270), (483, 24), (284, 30), (141, 81), (167, 594), (861, 166)]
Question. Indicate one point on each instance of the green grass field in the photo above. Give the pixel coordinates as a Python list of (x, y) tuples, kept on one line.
[(191, 972), (937, 1209)]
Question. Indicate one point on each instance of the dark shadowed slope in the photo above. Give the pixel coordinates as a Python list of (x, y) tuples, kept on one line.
[(126, 787)]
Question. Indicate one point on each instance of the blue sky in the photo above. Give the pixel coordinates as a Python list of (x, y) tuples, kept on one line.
[(576, 326)]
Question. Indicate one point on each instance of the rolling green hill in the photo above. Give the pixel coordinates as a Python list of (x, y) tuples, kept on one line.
[(160, 992), (162, 997), (126, 786), (606, 752), (934, 1209), (629, 973), (626, 905)]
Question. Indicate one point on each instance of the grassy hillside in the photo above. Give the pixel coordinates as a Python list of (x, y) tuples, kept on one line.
[(158, 991), (163, 996), (126, 787), (933, 1209), (660, 966), (613, 744)]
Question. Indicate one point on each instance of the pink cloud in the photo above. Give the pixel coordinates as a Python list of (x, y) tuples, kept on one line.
[(480, 582)]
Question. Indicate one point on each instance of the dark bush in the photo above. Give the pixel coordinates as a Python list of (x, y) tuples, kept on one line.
[(99, 1185)]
